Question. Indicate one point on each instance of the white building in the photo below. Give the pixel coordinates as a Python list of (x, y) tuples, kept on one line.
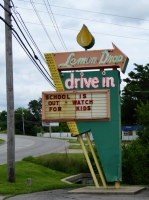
[(129, 132)]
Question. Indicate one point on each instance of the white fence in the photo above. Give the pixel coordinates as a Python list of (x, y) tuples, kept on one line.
[(61, 135)]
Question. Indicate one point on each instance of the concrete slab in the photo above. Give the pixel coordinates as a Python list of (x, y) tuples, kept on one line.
[(109, 190)]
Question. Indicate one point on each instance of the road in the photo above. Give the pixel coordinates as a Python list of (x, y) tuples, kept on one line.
[(31, 146)]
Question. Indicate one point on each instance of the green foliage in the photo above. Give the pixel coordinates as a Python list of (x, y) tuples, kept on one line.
[(134, 92), (135, 156), (142, 112), (31, 119), (34, 108), (3, 120), (75, 147), (2, 141), (135, 163), (29, 159), (67, 163), (42, 179), (61, 128)]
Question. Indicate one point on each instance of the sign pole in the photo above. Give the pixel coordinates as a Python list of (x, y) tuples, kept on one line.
[(88, 161), (50, 130), (96, 161)]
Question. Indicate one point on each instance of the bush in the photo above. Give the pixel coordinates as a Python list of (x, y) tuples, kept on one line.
[(135, 163), (29, 159), (67, 163)]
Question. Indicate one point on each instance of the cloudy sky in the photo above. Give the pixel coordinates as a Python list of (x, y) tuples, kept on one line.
[(125, 23)]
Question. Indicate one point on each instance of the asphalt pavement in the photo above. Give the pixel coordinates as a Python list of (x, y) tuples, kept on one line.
[(31, 146), (63, 194)]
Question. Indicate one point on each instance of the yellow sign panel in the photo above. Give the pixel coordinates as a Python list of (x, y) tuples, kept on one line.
[(76, 106), (85, 38)]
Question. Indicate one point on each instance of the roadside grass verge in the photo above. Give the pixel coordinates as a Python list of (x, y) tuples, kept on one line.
[(42, 179), (71, 140), (75, 147), (63, 162), (3, 132), (2, 141)]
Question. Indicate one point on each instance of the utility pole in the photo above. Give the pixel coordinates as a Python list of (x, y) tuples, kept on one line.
[(10, 97), (23, 122)]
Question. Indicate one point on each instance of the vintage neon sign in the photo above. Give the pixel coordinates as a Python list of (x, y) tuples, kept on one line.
[(83, 82), (87, 60), (105, 58)]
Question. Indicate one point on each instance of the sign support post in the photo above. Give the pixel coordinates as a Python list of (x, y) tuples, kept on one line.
[(88, 161), (96, 161)]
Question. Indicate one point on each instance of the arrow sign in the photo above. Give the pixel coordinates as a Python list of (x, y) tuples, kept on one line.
[(97, 59)]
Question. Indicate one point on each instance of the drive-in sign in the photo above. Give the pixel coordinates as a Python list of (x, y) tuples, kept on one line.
[(76, 106), (97, 59)]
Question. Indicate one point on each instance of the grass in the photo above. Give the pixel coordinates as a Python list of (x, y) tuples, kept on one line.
[(3, 131), (75, 147), (42, 179), (74, 141), (67, 163), (2, 141)]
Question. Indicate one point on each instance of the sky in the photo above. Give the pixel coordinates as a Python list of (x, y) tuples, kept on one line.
[(124, 23)]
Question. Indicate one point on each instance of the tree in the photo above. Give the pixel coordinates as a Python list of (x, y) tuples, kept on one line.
[(34, 108), (63, 127), (135, 92), (3, 120), (30, 119), (21, 117), (142, 111), (135, 156)]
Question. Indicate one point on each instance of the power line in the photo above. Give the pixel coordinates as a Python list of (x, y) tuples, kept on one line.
[(106, 34), (27, 51), (98, 21), (122, 16), (33, 60), (34, 7), (32, 40), (12, 3), (27, 32), (55, 26)]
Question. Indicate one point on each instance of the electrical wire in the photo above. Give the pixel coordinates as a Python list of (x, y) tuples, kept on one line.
[(106, 34), (122, 16), (12, 3), (32, 40), (55, 25), (34, 7), (111, 34), (34, 61), (38, 67), (98, 21), (27, 32), (28, 53)]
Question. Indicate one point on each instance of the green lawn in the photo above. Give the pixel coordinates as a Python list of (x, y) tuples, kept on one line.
[(2, 141), (42, 179), (3, 132), (75, 147)]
